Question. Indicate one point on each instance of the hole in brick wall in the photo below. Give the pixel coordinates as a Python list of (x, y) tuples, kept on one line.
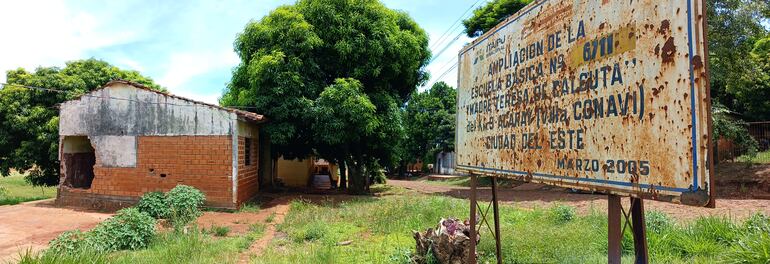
[(79, 159), (152, 170), (163, 175)]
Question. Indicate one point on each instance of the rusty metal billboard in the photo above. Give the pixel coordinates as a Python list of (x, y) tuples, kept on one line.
[(602, 95)]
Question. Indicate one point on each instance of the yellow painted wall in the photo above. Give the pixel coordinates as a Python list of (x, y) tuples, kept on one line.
[(295, 173)]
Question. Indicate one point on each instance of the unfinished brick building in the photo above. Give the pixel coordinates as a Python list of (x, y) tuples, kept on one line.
[(123, 140)]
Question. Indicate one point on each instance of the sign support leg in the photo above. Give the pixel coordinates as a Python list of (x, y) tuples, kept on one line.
[(614, 229), (497, 221), (639, 230), (473, 235)]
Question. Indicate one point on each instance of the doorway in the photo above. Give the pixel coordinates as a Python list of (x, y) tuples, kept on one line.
[(78, 158)]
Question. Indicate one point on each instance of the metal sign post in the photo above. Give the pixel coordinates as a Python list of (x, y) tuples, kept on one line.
[(615, 231), (483, 213), (580, 94)]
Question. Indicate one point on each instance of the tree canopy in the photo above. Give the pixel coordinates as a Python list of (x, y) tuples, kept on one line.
[(488, 16), (430, 122), (29, 119), (734, 28), (298, 60)]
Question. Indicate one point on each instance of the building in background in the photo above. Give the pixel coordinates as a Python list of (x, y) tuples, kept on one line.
[(445, 163), (123, 140), (300, 173)]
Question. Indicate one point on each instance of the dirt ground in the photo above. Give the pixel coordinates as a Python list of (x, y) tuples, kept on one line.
[(541, 196), (738, 180), (31, 225)]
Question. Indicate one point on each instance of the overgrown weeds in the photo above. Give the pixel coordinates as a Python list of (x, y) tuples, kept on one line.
[(381, 230)]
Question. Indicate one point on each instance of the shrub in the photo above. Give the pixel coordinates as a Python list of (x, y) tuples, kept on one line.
[(758, 222), (718, 229), (257, 228), (154, 204), (401, 256), (220, 231), (733, 129), (657, 222), (312, 232), (69, 241), (270, 218), (184, 204), (754, 248), (563, 213), (128, 229)]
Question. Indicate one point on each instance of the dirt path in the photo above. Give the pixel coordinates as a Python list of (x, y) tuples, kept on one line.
[(279, 207), (31, 225), (534, 196)]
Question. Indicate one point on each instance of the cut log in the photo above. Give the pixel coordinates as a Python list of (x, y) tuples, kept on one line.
[(449, 244)]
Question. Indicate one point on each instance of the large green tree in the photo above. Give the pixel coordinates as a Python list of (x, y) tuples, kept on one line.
[(492, 13), (345, 121), (29, 118), (734, 26), (430, 122), (296, 52), (752, 92)]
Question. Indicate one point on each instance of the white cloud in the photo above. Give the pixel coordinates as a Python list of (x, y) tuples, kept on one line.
[(183, 66), (49, 36)]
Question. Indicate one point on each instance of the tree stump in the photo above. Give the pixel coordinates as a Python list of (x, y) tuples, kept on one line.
[(449, 244)]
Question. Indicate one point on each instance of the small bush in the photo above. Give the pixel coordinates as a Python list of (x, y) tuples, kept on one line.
[(128, 229), (270, 218), (563, 213), (220, 231), (754, 248), (68, 241), (154, 204), (657, 222), (249, 208), (717, 229), (758, 222), (257, 228), (401, 256), (184, 203), (314, 231)]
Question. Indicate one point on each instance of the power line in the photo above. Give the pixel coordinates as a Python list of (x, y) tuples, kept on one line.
[(445, 48), (446, 72), (110, 97), (443, 67), (450, 29)]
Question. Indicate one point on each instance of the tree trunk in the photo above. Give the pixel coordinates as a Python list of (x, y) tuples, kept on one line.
[(343, 176), (357, 178)]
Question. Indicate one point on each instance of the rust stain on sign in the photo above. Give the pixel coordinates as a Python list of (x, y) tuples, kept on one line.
[(591, 94)]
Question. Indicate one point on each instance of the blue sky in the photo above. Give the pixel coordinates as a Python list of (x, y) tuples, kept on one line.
[(185, 46)]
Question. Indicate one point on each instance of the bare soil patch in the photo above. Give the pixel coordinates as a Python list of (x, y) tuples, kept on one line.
[(546, 196), (742, 181), (32, 225)]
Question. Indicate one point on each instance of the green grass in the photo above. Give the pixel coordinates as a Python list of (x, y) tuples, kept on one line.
[(270, 218), (760, 158), (17, 190), (220, 231), (381, 231), (249, 208), (466, 181), (194, 247)]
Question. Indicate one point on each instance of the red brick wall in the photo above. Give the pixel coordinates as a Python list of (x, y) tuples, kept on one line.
[(248, 179), (204, 162)]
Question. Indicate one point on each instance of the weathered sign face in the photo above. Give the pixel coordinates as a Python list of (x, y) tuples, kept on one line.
[(602, 95)]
